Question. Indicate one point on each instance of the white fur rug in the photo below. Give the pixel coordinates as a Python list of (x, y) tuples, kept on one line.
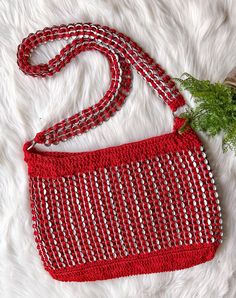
[(197, 36)]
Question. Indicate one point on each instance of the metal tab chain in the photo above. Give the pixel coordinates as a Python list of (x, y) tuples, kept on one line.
[(121, 52)]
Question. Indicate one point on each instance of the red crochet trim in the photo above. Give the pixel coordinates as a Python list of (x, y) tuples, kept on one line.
[(55, 164), (170, 260)]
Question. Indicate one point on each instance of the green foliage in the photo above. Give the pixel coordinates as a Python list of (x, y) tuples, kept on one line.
[(215, 109)]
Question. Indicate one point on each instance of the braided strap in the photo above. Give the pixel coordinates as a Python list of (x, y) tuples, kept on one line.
[(121, 52)]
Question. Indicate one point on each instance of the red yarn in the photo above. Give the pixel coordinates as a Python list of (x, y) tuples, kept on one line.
[(142, 207)]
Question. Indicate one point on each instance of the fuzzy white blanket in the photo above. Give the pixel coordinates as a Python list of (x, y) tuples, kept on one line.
[(197, 36)]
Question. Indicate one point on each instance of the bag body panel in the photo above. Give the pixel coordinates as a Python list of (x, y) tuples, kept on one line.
[(162, 204)]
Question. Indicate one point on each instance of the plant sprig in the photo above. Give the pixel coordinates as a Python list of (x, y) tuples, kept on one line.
[(215, 109)]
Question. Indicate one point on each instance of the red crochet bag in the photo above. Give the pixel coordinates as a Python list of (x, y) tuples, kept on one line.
[(142, 207)]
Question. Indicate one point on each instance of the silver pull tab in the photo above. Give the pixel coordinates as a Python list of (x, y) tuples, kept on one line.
[(33, 143)]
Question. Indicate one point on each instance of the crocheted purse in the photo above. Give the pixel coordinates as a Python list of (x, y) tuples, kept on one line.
[(142, 207)]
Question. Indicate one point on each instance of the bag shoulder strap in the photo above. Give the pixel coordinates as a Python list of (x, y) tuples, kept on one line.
[(122, 53)]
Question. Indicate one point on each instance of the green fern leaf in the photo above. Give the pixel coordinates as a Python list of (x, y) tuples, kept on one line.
[(215, 109)]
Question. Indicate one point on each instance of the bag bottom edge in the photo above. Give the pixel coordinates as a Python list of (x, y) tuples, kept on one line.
[(154, 262)]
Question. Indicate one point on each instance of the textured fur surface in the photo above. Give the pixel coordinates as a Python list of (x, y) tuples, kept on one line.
[(197, 36)]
